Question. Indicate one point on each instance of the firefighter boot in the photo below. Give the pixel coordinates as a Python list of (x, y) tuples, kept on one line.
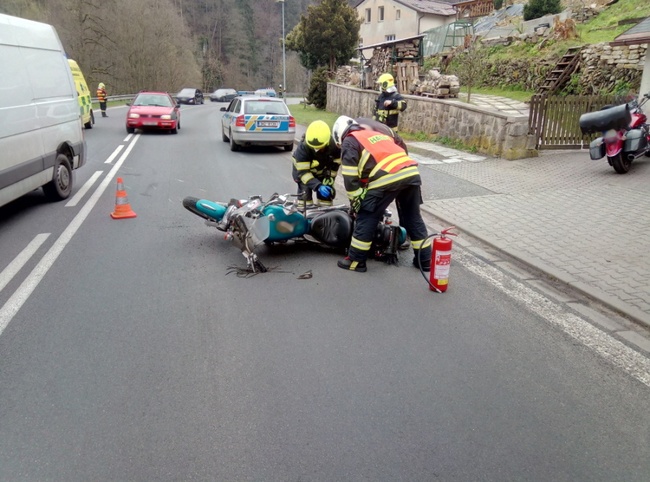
[(347, 263), (104, 114), (425, 258)]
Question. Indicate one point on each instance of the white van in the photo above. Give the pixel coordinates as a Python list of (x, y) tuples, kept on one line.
[(41, 136)]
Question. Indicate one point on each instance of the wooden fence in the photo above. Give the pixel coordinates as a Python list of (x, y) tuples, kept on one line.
[(554, 120)]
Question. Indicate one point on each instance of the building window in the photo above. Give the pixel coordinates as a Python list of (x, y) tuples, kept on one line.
[(398, 13), (380, 14), (388, 38), (368, 15)]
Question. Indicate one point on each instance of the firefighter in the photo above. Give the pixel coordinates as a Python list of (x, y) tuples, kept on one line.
[(316, 161), (102, 97), (389, 103), (376, 172), (384, 129)]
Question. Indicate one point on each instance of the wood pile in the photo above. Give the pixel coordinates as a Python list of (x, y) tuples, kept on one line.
[(347, 75), (436, 84)]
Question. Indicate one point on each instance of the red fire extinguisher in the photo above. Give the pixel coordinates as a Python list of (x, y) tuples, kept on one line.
[(441, 261)]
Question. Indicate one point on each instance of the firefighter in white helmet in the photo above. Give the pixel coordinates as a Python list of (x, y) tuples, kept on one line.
[(376, 172)]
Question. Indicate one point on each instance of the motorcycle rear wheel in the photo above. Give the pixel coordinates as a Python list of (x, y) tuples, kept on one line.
[(620, 163)]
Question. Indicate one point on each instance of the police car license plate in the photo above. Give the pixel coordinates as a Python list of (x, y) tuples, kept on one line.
[(268, 123)]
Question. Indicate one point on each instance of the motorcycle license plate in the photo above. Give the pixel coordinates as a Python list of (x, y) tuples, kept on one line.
[(268, 124)]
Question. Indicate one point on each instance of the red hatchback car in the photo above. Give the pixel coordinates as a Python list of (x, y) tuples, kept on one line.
[(153, 110)]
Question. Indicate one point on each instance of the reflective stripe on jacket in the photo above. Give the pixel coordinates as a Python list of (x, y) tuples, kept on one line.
[(381, 164)]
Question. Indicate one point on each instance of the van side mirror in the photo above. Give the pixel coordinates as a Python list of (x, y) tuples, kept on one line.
[(223, 109)]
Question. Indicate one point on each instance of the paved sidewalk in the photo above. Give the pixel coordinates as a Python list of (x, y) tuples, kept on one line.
[(561, 213)]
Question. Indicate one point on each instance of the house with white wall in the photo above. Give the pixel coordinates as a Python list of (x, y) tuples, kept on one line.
[(388, 20)]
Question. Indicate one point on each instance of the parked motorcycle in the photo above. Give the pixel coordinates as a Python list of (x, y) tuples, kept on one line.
[(626, 133), (248, 223)]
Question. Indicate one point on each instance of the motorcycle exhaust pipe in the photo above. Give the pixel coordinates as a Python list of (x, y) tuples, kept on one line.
[(631, 157)]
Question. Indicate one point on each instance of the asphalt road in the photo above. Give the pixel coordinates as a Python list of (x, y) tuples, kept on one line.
[(129, 353)]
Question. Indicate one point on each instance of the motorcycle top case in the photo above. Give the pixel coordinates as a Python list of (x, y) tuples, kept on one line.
[(617, 117)]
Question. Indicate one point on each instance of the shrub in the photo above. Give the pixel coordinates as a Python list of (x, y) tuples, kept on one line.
[(317, 94), (498, 4), (539, 8)]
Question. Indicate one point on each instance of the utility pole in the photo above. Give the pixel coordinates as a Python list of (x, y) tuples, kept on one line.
[(284, 58)]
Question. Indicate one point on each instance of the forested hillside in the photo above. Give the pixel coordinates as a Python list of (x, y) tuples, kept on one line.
[(168, 44)]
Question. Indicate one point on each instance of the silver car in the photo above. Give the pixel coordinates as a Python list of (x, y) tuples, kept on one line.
[(255, 120)]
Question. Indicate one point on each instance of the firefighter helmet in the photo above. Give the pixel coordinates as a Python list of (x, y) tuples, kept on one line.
[(317, 135), (385, 81), (341, 127)]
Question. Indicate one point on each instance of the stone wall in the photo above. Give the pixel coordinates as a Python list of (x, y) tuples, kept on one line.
[(490, 132), (604, 68)]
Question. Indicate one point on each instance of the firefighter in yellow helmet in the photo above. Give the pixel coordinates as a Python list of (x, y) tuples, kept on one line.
[(316, 161), (389, 103)]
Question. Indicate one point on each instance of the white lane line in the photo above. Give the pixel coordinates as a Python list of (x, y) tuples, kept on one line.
[(128, 137), (612, 350), (77, 197), (19, 261), (18, 299), (114, 155)]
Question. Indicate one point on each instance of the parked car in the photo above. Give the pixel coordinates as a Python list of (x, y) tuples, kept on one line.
[(270, 92), (255, 120), (153, 110), (190, 96), (223, 95)]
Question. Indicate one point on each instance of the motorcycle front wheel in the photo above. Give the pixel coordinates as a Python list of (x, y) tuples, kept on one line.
[(620, 163)]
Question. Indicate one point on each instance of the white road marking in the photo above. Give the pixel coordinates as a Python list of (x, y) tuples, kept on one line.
[(24, 291), (77, 197), (19, 261), (115, 152), (621, 356)]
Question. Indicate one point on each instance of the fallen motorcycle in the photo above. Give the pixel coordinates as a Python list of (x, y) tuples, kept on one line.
[(248, 223), (626, 133)]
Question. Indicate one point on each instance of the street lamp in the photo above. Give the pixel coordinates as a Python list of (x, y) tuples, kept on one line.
[(284, 58)]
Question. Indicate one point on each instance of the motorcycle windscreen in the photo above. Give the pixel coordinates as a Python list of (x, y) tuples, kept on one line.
[(260, 230)]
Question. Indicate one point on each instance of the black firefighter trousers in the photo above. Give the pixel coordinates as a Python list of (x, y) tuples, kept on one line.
[(372, 209)]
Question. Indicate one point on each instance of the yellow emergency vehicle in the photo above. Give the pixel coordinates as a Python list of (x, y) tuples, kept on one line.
[(84, 97)]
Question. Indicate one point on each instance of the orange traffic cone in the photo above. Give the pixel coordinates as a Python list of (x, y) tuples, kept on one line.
[(122, 206)]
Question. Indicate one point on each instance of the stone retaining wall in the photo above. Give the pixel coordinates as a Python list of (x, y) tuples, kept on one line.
[(490, 132)]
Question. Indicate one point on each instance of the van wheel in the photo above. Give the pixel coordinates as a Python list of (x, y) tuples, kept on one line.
[(89, 124), (224, 137), (60, 186)]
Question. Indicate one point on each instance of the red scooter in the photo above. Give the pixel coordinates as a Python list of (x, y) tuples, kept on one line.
[(626, 133)]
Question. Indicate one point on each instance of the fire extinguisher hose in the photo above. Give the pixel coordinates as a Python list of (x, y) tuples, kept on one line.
[(422, 272)]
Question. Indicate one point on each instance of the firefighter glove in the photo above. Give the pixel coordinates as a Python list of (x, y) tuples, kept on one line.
[(355, 202), (328, 181), (325, 191)]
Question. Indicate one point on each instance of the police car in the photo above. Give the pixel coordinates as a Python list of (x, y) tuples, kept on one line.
[(256, 120)]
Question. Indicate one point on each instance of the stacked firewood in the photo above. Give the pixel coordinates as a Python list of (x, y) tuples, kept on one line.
[(436, 84), (380, 62), (347, 75)]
